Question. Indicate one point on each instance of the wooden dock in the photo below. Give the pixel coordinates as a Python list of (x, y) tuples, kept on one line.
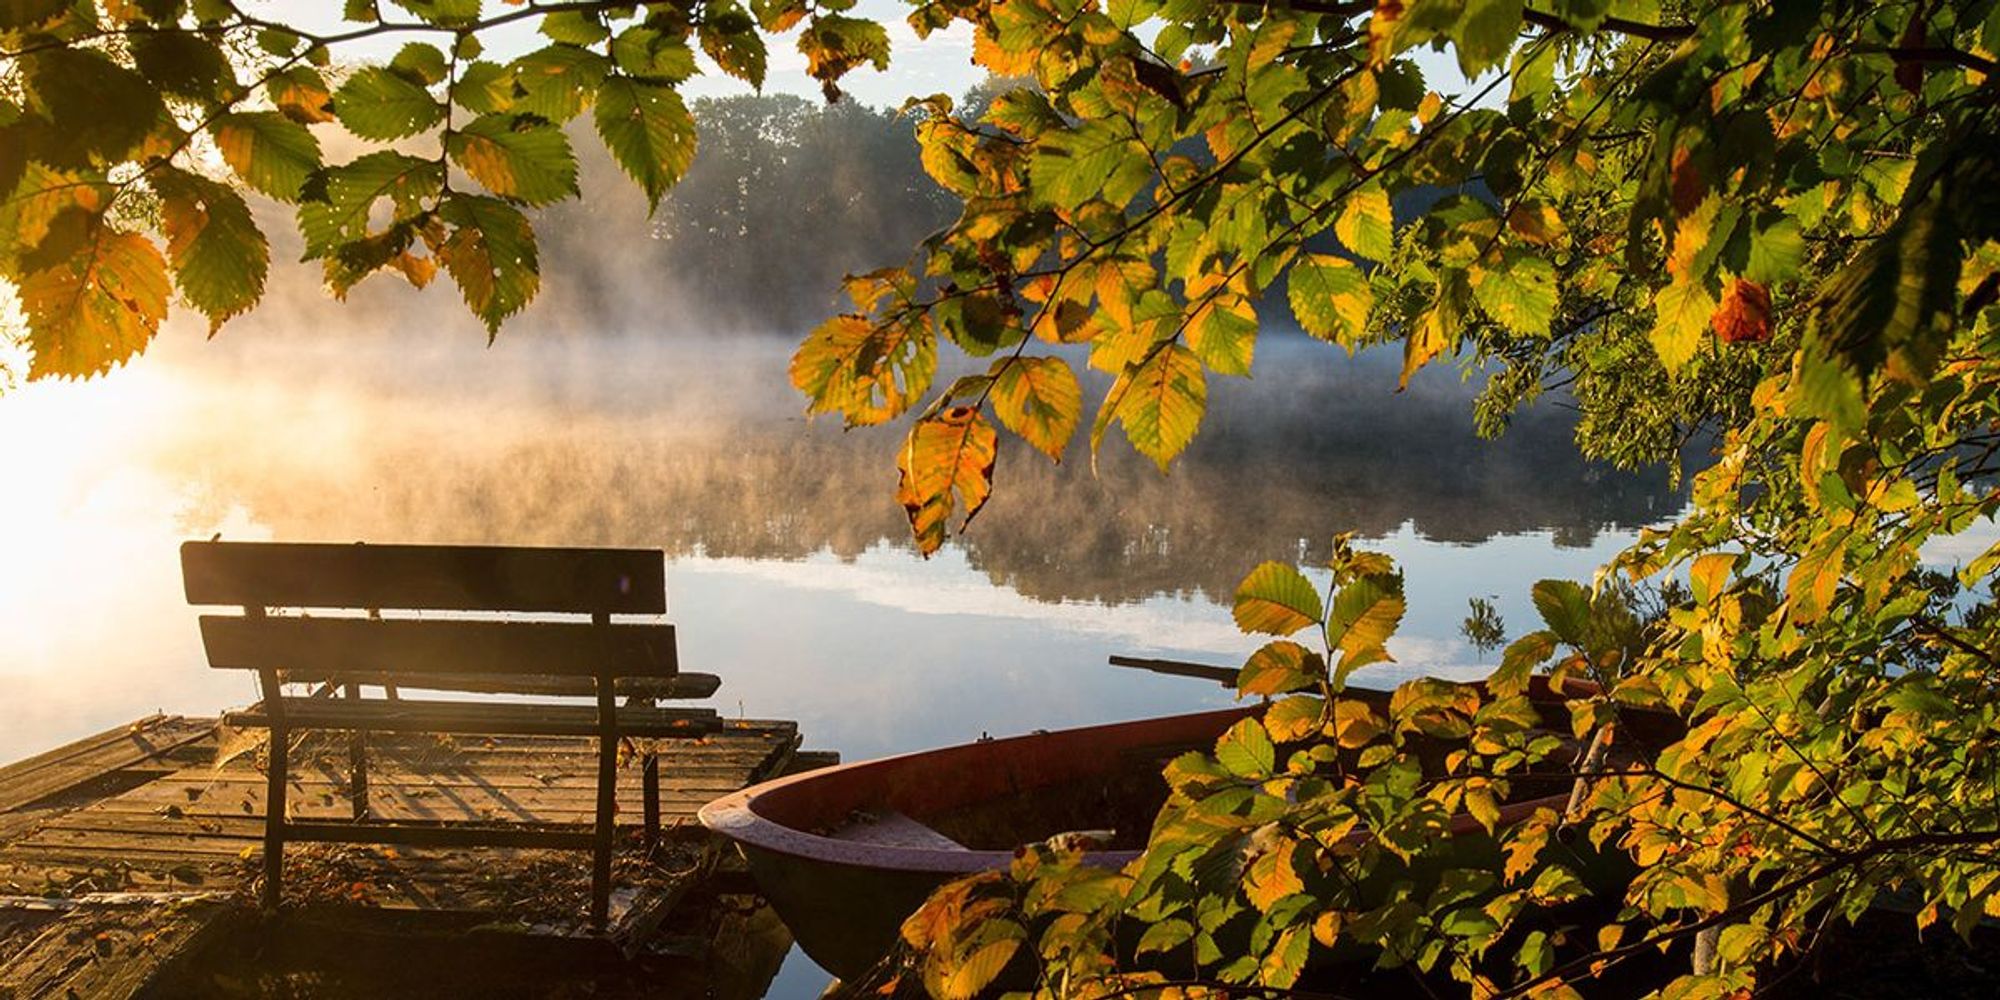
[(123, 854)]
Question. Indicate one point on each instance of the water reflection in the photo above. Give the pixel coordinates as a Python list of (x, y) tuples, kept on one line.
[(789, 575)]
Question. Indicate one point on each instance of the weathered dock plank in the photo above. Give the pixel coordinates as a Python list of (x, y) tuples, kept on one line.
[(89, 760), (111, 949)]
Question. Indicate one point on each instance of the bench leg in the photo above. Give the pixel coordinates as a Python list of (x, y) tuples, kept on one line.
[(607, 802), (357, 757), (274, 809), (652, 785)]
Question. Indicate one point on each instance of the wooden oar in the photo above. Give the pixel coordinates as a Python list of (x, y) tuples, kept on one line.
[(1225, 676)]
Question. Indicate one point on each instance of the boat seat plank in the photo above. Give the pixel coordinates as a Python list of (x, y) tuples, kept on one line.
[(474, 717), (889, 828)]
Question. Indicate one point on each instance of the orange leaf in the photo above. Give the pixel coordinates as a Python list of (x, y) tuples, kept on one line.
[(1745, 313)]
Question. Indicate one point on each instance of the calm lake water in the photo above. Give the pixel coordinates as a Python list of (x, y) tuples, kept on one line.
[(788, 570)]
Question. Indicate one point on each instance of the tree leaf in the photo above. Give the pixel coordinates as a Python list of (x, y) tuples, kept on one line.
[(1744, 315), (868, 373), (946, 461), (522, 159), (734, 43), (1039, 399), (1279, 667), (490, 252), (220, 257), (378, 103), (648, 131), (341, 213), (1520, 293), (1159, 402), (1681, 313), (100, 111), (302, 95), (559, 81), (96, 306), (1365, 614), (1565, 608), (270, 152), (1366, 224), (1246, 750), (1276, 599), (1331, 298)]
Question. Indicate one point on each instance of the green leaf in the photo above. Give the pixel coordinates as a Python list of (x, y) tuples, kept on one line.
[(377, 103), (1890, 308), (1776, 251), (28, 13), (1565, 608), (558, 82), (520, 158), (1092, 161), (490, 252), (1486, 34), (220, 257), (270, 152), (1365, 614), (1159, 402), (1246, 750), (734, 44), (575, 27), (1366, 225), (1518, 663), (1039, 399), (652, 55), (1681, 314), (98, 304), (183, 64), (833, 45), (351, 190), (99, 110), (1222, 330), (420, 63), (1331, 298), (1520, 294), (648, 131), (1276, 599)]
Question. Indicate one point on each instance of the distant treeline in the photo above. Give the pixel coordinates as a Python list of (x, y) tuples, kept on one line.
[(786, 195)]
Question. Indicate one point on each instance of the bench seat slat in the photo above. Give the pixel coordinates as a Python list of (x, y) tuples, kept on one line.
[(336, 645), (436, 577), (679, 686), (480, 718)]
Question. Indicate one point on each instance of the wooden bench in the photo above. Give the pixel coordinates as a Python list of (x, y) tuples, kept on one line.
[(359, 647)]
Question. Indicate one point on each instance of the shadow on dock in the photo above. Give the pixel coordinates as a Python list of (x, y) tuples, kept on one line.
[(129, 864)]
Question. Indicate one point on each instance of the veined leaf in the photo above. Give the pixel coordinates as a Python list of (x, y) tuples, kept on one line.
[(302, 95), (1094, 161), (95, 306), (734, 44), (1565, 608), (866, 372), (946, 461), (1520, 293), (220, 257), (1681, 313), (101, 110), (1279, 667), (1221, 328), (1744, 315), (490, 252), (559, 81), (1276, 599), (351, 191), (1331, 299), (523, 159), (1039, 399), (272, 153), (1246, 750), (1366, 225), (29, 13), (648, 131), (378, 103), (1159, 402), (1365, 614)]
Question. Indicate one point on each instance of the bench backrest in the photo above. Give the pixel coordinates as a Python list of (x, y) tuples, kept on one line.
[(598, 582)]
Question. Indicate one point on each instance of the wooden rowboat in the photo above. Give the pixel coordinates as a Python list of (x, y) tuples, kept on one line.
[(844, 854)]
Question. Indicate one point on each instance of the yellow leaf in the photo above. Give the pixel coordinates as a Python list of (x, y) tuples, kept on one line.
[(1355, 724), (950, 453), (971, 976), (1159, 401), (866, 372), (97, 306), (1039, 399), (1681, 313)]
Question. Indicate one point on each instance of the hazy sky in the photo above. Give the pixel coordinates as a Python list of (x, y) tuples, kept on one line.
[(939, 64)]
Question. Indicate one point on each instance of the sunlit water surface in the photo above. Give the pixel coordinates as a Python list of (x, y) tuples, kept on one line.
[(788, 571)]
